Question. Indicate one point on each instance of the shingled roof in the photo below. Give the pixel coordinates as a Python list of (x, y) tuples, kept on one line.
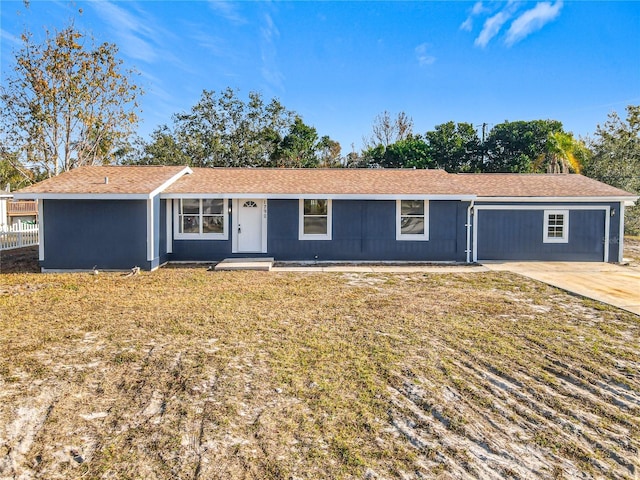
[(319, 181), (537, 185), (174, 181), (107, 180)]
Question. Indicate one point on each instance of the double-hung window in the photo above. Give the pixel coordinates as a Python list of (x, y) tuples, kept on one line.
[(201, 218), (315, 219), (556, 226), (412, 219)]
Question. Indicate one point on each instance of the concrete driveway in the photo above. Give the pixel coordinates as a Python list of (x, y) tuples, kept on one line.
[(608, 283)]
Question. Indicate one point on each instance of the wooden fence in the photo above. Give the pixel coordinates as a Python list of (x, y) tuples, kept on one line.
[(21, 208), (18, 236)]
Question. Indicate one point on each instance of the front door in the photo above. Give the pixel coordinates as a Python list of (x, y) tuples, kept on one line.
[(248, 230)]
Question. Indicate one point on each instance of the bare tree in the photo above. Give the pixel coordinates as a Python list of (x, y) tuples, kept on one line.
[(67, 104), (388, 130)]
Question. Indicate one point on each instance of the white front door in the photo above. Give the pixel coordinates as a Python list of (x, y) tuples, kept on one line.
[(250, 225)]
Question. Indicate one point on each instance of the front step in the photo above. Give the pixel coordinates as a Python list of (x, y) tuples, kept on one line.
[(262, 264)]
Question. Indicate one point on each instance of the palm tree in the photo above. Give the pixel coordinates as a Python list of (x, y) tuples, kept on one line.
[(563, 154)]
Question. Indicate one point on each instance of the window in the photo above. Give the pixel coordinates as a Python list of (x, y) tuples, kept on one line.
[(556, 226), (412, 220), (201, 218), (315, 219)]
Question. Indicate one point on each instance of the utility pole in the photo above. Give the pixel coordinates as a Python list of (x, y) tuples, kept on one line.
[(484, 129)]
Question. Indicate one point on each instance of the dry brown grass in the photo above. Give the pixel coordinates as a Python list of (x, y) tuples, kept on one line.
[(632, 250), (184, 373)]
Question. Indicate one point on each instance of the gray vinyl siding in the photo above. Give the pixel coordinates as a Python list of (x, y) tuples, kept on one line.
[(79, 234), (518, 234), (366, 230), (363, 230)]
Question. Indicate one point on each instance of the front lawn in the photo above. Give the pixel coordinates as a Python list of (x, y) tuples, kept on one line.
[(184, 373)]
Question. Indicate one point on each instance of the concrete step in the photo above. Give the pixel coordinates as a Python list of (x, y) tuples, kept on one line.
[(263, 264)]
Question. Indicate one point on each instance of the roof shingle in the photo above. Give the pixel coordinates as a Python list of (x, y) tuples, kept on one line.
[(304, 181), (143, 180), (122, 180), (537, 185)]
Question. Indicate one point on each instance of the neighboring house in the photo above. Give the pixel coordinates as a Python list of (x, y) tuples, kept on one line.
[(120, 217), (12, 212)]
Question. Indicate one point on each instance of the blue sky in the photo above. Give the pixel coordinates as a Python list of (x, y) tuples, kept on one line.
[(339, 64)]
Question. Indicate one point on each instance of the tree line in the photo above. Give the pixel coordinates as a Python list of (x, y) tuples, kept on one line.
[(70, 102)]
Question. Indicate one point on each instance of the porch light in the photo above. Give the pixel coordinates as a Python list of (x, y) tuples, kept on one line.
[(613, 212)]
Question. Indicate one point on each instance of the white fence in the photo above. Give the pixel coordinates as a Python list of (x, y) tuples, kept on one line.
[(18, 236)]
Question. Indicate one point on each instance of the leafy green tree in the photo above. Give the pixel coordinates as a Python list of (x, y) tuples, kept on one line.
[(455, 147), (299, 147), (354, 159), (68, 103), (163, 149), (616, 159), (515, 146), (410, 152), (224, 131), (374, 157), (13, 175), (328, 153)]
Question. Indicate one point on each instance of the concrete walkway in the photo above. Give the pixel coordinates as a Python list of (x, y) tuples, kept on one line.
[(605, 282), (381, 268)]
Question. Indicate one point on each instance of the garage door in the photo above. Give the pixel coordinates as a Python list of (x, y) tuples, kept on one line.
[(508, 234)]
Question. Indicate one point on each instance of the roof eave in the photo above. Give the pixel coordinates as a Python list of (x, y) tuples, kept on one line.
[(81, 196), (329, 196), (581, 199), (103, 196)]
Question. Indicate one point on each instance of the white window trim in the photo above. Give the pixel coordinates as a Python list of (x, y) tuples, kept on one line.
[(201, 236), (308, 236), (423, 237), (565, 227)]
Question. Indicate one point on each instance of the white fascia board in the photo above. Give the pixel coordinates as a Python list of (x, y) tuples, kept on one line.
[(548, 206), (310, 196), (554, 199), (630, 203), (82, 196), (172, 180)]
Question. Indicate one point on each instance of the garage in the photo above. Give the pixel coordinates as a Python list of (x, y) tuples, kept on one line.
[(542, 232)]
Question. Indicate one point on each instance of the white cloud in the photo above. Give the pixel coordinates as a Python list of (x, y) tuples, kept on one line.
[(532, 20), (9, 38), (227, 10), (467, 25), (477, 9), (491, 27), (135, 34), (270, 71), (423, 55)]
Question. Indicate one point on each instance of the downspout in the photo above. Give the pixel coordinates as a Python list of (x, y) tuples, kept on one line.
[(468, 225)]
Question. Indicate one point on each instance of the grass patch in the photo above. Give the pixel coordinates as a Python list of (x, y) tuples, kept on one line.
[(187, 373)]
